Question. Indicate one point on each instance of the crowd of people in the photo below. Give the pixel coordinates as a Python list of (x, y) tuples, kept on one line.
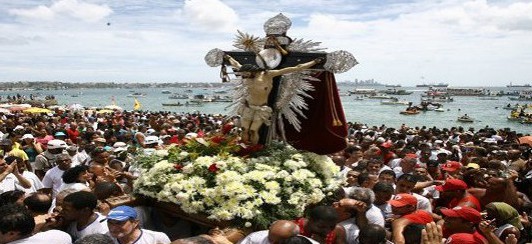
[(59, 172)]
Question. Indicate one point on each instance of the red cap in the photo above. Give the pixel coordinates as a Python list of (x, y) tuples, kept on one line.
[(386, 144), (463, 238), (468, 213), (451, 166), (403, 199), (410, 156), (451, 185)]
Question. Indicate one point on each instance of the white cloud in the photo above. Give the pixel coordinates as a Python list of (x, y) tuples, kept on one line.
[(77, 9), (211, 15)]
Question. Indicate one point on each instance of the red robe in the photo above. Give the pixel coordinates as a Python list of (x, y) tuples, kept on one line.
[(319, 133)]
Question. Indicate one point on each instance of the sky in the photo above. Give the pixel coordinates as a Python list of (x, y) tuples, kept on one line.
[(460, 42)]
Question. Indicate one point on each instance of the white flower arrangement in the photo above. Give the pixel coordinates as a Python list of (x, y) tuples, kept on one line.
[(247, 191)]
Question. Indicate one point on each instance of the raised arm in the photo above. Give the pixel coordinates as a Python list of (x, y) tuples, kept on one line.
[(296, 68), (232, 61)]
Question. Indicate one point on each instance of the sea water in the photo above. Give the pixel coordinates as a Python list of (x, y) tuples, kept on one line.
[(367, 111)]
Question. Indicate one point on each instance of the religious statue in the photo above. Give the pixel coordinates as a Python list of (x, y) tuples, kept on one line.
[(259, 83), (286, 87)]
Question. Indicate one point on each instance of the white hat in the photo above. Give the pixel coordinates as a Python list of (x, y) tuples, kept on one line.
[(191, 135), (19, 127), (55, 144), (438, 142), (150, 131), (151, 140), (119, 144), (27, 136)]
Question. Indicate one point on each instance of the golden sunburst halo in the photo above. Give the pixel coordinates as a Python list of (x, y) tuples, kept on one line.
[(248, 42)]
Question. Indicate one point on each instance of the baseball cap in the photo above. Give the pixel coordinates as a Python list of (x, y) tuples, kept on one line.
[(19, 127), (119, 144), (151, 140), (27, 136), (463, 238), (59, 133), (403, 199), (122, 213), (473, 166), (452, 185), (99, 139), (150, 131), (451, 166), (55, 144), (468, 213), (386, 144)]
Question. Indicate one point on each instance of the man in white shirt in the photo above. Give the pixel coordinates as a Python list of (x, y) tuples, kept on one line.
[(405, 184), (78, 208), (124, 227), (278, 231), (52, 180), (35, 183), (17, 224)]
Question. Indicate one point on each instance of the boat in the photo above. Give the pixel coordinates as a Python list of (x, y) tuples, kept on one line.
[(172, 104), (359, 98), (433, 85), (137, 94), (220, 92), (393, 85), (178, 96), (512, 118), (466, 119), (394, 101), (166, 92), (194, 103), (380, 96), (465, 92), (399, 92), (409, 112), (363, 92), (439, 110), (489, 98), (517, 86)]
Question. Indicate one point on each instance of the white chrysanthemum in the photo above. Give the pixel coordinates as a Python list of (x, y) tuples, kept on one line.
[(269, 197), (204, 162), (188, 169), (228, 176), (272, 186)]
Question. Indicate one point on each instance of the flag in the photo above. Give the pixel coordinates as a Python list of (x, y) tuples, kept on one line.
[(137, 104)]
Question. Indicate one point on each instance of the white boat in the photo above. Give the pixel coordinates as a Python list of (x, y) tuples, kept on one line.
[(380, 97), (178, 96), (465, 119), (137, 94), (166, 92), (394, 102)]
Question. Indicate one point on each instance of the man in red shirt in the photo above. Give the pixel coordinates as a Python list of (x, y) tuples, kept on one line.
[(453, 193), (73, 132), (461, 220), (405, 207)]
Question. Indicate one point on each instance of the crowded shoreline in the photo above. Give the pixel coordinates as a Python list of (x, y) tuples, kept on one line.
[(381, 166)]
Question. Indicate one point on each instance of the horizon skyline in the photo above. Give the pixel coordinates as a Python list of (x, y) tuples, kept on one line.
[(407, 42)]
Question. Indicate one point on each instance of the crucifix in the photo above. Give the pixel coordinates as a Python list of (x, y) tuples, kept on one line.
[(267, 64)]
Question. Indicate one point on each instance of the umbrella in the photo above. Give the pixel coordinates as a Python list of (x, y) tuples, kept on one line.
[(113, 107), (37, 110), (17, 108), (104, 111), (525, 140)]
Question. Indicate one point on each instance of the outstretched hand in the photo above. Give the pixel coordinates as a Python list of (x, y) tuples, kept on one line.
[(432, 234)]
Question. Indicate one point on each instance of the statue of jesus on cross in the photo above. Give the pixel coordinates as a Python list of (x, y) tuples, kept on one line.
[(259, 84)]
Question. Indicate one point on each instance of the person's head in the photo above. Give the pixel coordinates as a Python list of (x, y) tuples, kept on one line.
[(452, 188), (100, 155), (77, 174), (16, 222), (412, 233), (408, 163), (281, 230), (403, 204), (94, 239), (63, 161), (387, 176), (352, 177), (104, 190), (248, 71), (322, 220), (372, 234), (56, 146), (405, 183), (78, 205), (6, 144), (367, 180), (460, 220), (503, 213), (122, 221), (339, 159), (452, 167), (14, 196), (38, 203), (374, 165), (364, 195), (383, 192)]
